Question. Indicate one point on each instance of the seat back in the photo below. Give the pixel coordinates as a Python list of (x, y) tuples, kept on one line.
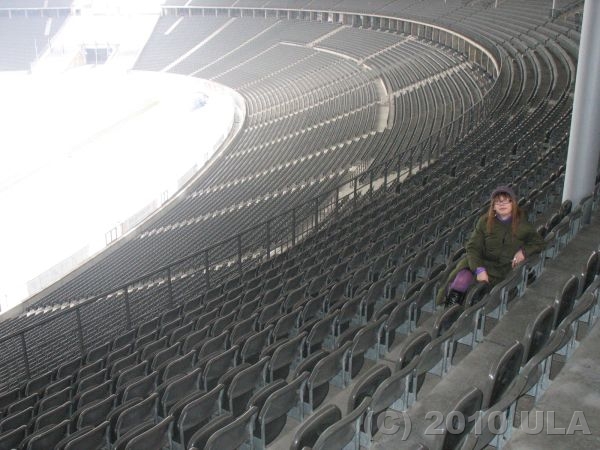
[(94, 439), (538, 332), (48, 437), (136, 414), (412, 347), (198, 412), (178, 366), (394, 388), (475, 294), (93, 394), (254, 345), (368, 337), (16, 420), (141, 388), (272, 415), (53, 416), (154, 437), (212, 345), (217, 366), (244, 383), (564, 303), (367, 384), (242, 329), (178, 389), (96, 413), (446, 319), (328, 367), (467, 406), (310, 430), (344, 431), (320, 331), (398, 316), (13, 438), (501, 375), (234, 434), (592, 269), (284, 355)]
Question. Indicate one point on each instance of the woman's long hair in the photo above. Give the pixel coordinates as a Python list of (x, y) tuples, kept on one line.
[(517, 214)]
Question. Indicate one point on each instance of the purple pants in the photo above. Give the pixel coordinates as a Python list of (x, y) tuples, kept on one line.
[(463, 280)]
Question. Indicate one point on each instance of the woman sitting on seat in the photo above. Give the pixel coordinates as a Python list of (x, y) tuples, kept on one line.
[(502, 239)]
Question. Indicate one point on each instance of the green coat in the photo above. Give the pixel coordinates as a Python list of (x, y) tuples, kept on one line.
[(495, 250)]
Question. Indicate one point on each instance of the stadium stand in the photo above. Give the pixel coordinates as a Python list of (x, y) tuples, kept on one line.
[(169, 337)]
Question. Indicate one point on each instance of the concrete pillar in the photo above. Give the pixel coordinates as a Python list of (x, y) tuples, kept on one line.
[(584, 141)]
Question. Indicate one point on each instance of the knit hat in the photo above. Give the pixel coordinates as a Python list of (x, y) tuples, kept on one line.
[(504, 190)]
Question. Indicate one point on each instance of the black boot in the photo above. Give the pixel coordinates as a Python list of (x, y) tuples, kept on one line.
[(454, 298)]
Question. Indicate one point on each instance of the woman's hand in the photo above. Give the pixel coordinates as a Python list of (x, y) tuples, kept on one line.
[(483, 277), (518, 258)]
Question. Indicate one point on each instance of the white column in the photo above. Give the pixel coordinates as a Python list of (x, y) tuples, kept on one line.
[(584, 141)]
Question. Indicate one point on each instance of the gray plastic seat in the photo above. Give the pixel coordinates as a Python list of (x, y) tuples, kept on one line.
[(176, 390), (211, 346), (92, 380), (165, 355), (329, 367), (311, 428), (345, 431), (200, 438), (272, 416), (9, 397), (125, 339), (197, 413), (591, 271), (445, 320), (69, 368), (234, 434), (538, 332), (242, 329), (244, 384), (319, 333), (564, 303), (94, 414), (286, 325), (364, 341), (412, 347), (501, 375), (38, 383), (130, 374), (153, 438), (23, 403), (193, 340), (94, 439), (48, 437), (92, 395), (16, 420), (217, 366), (398, 321), (120, 365), (53, 416), (468, 405), (137, 414), (141, 387), (178, 366), (12, 438), (367, 384), (391, 392), (283, 355), (254, 344)]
